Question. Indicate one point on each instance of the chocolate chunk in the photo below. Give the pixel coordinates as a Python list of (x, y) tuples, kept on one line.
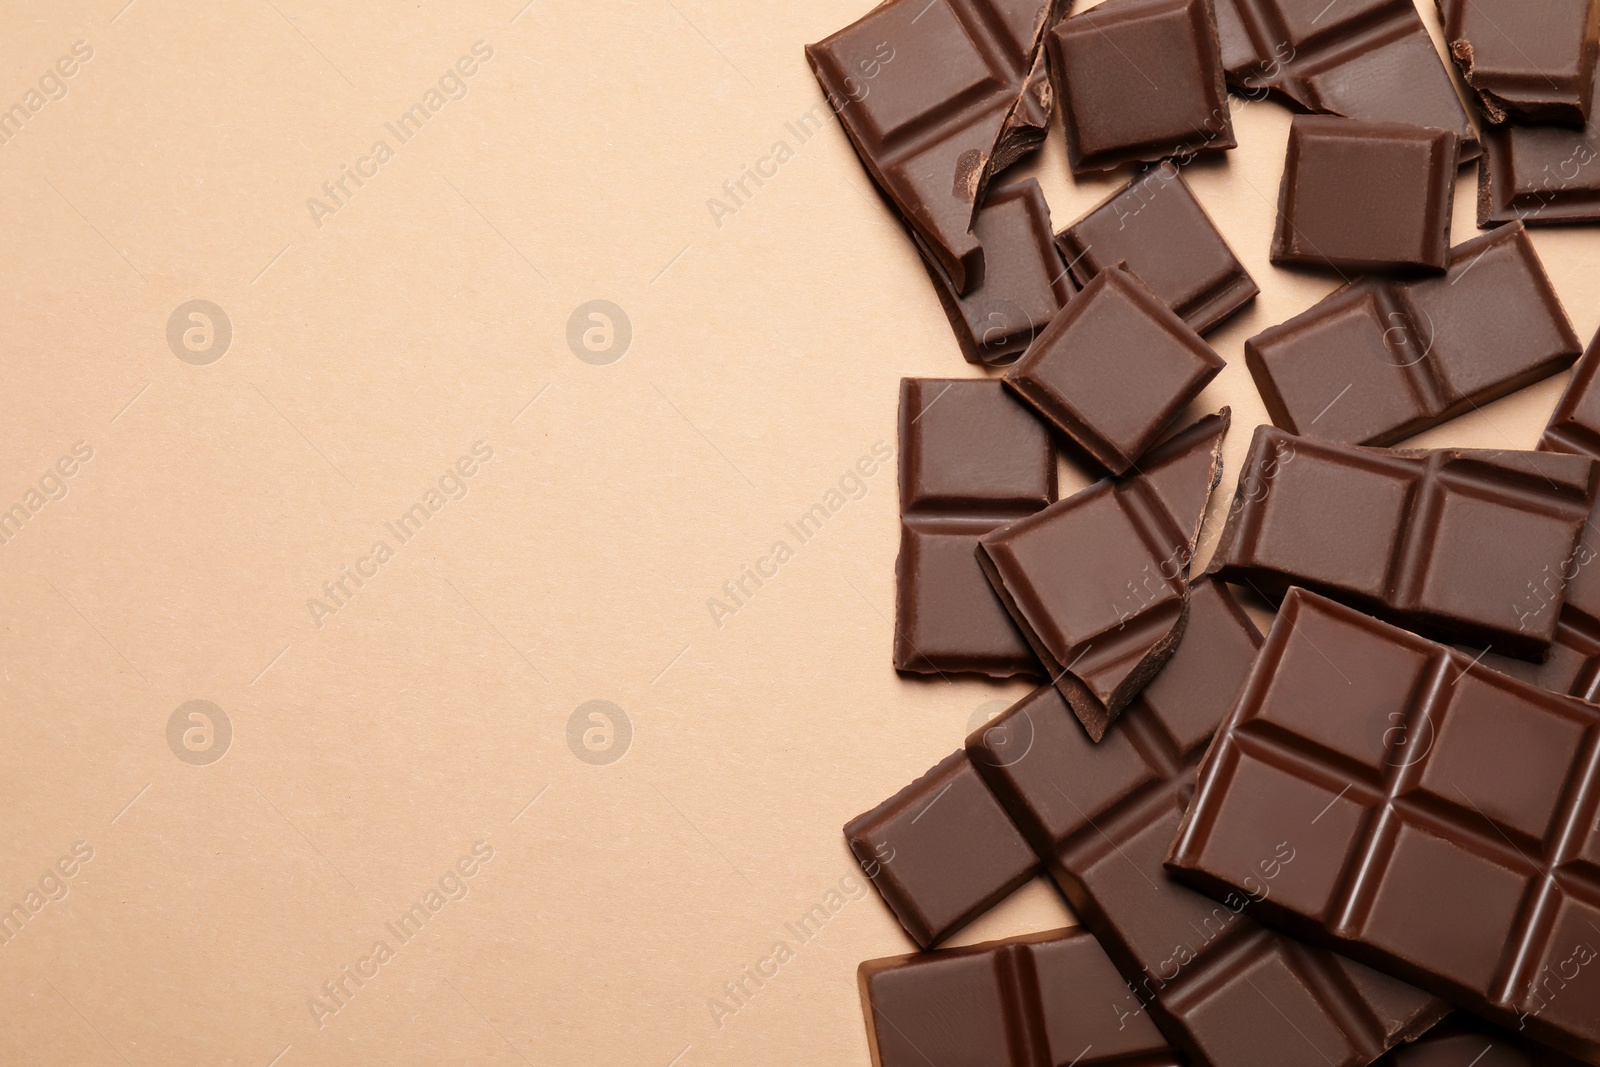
[(1050, 998), (1575, 424), (1223, 989), (972, 458), (1114, 368), (1387, 797), (936, 95), (1155, 225), (1464, 1040), (1380, 360), (1443, 541), (1527, 62), (1543, 175), (1140, 80), (941, 851), (1025, 281), (1365, 195), (1097, 582), (1363, 59)]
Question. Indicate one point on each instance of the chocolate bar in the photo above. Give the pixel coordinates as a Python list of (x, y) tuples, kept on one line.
[(1380, 360), (1050, 998), (972, 458), (1365, 195), (1575, 425), (1098, 582), (1389, 798), (1025, 281), (1531, 63), (1543, 175), (1443, 541), (1155, 225), (937, 95), (1363, 59), (1223, 989), (1140, 80), (1464, 1040), (1114, 368)]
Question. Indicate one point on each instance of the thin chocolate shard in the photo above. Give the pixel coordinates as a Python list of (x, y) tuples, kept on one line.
[(1528, 63), (1098, 582)]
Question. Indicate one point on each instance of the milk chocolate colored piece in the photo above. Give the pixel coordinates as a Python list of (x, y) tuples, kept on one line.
[(1389, 798), (1155, 225), (1444, 541), (1098, 582), (1575, 425), (1114, 368), (1363, 59), (936, 97), (1046, 1000), (1527, 62), (1543, 175), (1365, 195), (1140, 80), (972, 458), (1464, 1040), (941, 851), (1380, 360), (1223, 989), (1025, 281)]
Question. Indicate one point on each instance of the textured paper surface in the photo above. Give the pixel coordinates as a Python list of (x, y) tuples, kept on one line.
[(375, 342)]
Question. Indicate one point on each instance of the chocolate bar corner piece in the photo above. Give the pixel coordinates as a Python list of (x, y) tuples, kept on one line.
[(1098, 582), (1155, 225), (1575, 424), (1528, 63), (1365, 196), (935, 97), (1543, 175), (1140, 81), (1389, 798), (1363, 59)]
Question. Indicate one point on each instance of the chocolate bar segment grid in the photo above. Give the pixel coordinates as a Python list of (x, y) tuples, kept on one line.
[(1456, 846)]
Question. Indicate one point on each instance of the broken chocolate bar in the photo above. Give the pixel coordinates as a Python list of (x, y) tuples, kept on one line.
[(1543, 175), (1530, 63)]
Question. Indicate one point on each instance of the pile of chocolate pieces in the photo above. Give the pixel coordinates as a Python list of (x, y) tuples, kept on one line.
[(1373, 833)]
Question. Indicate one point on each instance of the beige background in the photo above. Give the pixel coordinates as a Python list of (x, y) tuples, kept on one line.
[(369, 353)]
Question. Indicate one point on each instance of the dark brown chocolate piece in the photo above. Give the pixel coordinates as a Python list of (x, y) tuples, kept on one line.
[(1380, 360), (1098, 582), (1527, 62), (1223, 989), (1464, 1040), (1444, 541), (937, 95), (1363, 59), (1046, 999), (1387, 797), (1543, 175), (1365, 195), (1025, 281), (1140, 80), (1155, 225), (1575, 425), (941, 851), (972, 458), (1114, 368)]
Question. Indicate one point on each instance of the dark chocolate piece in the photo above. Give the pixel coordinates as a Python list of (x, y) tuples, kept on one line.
[(1114, 368), (1365, 195), (1543, 175), (1464, 1040), (1098, 582), (1575, 425), (1223, 989), (1527, 62), (1444, 541), (941, 851), (1140, 80), (1389, 798), (972, 458), (1155, 225), (1025, 281), (1046, 999), (937, 95), (1380, 360), (1363, 59)]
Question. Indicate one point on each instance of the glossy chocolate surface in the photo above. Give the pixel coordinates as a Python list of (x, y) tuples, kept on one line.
[(1527, 62)]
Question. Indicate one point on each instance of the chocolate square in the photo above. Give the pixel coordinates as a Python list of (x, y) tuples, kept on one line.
[(1528, 62), (1543, 175)]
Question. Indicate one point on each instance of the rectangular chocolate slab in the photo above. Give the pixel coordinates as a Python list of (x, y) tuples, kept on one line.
[(1529, 63), (1222, 988), (1445, 541), (1543, 175), (1389, 798), (1380, 359)]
